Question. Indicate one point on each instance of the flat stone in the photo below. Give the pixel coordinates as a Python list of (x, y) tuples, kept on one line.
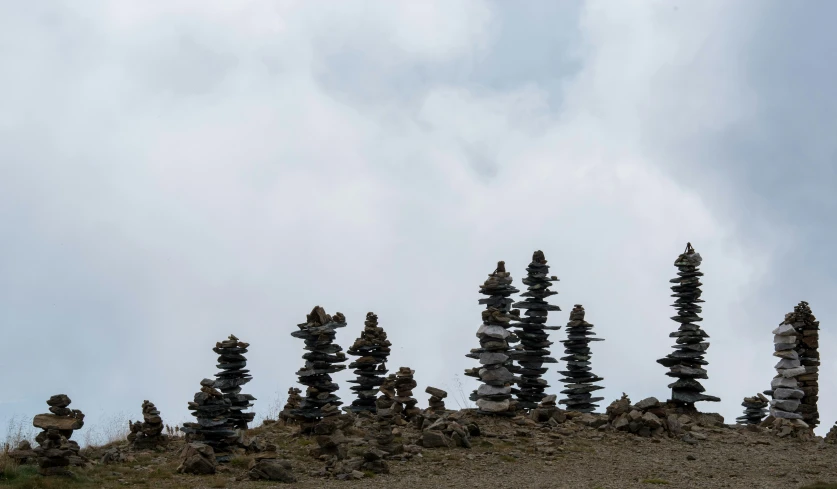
[(493, 406), (53, 422)]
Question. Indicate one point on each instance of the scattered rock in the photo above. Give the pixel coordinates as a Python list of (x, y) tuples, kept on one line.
[(271, 470), (198, 459)]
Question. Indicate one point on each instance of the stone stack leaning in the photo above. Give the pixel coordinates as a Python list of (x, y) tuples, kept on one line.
[(533, 352), (436, 403), (755, 409), (373, 348), (494, 395), (56, 451), (578, 377), (233, 374), (686, 363)]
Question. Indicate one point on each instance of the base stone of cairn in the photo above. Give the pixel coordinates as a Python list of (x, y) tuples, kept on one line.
[(294, 402), (686, 363), (148, 433), (56, 452), (213, 427), (578, 377), (533, 352), (437, 399), (373, 348), (323, 358), (755, 409), (494, 396), (404, 385), (233, 374)]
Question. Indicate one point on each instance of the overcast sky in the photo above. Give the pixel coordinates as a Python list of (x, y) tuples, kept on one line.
[(175, 171)]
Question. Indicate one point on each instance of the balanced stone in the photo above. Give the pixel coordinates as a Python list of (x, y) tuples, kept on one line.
[(233, 375), (373, 348), (149, 432), (755, 409), (404, 385), (686, 363), (56, 451), (494, 338), (437, 399), (323, 359), (785, 388), (213, 426), (533, 352), (579, 378)]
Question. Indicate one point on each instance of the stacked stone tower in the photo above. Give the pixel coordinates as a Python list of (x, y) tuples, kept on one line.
[(149, 432), (324, 358), (686, 363), (494, 395), (533, 352), (579, 376), (807, 326), (233, 375), (212, 412), (56, 451), (373, 348)]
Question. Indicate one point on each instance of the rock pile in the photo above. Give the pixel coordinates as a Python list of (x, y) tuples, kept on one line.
[(437, 399), (548, 412), (233, 375), (404, 385), (494, 396), (56, 451), (686, 364), (831, 436), (149, 432), (578, 377), (324, 358), (445, 431), (198, 459), (373, 348), (270, 467), (651, 418), (213, 426), (807, 326), (294, 402), (534, 350), (755, 409)]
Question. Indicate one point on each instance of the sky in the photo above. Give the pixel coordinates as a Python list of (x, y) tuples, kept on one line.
[(172, 172)]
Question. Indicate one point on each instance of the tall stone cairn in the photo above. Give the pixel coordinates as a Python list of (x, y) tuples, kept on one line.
[(494, 396), (533, 352), (149, 432), (212, 412), (686, 363), (785, 387), (373, 348), (578, 377), (56, 451), (808, 328), (233, 375), (324, 358), (755, 409)]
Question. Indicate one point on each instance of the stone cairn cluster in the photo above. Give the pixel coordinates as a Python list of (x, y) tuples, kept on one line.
[(494, 395), (149, 432), (373, 348), (579, 378), (233, 374), (785, 386), (533, 352), (294, 402), (324, 358), (436, 403), (755, 409), (807, 326), (56, 451), (686, 363), (213, 426)]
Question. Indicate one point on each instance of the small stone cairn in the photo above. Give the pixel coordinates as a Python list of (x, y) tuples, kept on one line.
[(404, 385), (56, 451), (213, 427), (755, 409), (831, 436), (437, 399), (148, 433), (494, 395), (294, 402), (533, 352), (373, 348), (686, 363), (233, 374), (578, 376), (385, 418), (324, 358), (548, 412)]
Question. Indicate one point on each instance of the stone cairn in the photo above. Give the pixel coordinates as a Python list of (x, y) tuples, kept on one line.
[(214, 427), (233, 375), (785, 386), (436, 403), (149, 432), (56, 451), (807, 326), (294, 402), (324, 358), (755, 409), (533, 352), (404, 385), (686, 364), (373, 349), (385, 417), (578, 376), (494, 395)]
